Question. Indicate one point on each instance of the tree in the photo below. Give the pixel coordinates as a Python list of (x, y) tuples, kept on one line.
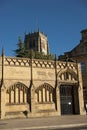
[(20, 51)]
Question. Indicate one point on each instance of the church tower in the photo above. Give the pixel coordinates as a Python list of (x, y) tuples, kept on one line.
[(37, 42)]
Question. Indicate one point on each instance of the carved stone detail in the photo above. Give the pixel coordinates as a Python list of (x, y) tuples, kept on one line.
[(67, 76), (62, 65), (17, 61), (16, 94), (44, 93), (43, 64)]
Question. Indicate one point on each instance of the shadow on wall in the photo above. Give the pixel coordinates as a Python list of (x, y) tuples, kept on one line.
[(25, 113)]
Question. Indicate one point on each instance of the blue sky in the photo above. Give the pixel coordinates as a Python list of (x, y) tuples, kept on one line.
[(60, 20)]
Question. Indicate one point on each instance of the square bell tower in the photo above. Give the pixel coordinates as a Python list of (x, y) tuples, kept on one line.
[(37, 42)]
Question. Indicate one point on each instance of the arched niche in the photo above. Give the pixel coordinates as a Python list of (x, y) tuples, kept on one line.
[(17, 93), (44, 93)]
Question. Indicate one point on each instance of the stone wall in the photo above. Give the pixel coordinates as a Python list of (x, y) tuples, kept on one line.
[(31, 87)]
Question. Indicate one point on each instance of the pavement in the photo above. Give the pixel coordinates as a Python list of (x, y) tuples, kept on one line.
[(46, 123)]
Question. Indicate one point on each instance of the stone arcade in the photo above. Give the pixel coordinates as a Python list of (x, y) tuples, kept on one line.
[(35, 88)]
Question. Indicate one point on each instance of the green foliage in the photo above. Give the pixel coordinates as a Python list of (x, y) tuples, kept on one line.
[(39, 55), (22, 52)]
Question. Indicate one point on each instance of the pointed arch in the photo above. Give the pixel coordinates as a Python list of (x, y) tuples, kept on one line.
[(45, 85), (17, 85), (44, 93), (67, 74), (17, 93)]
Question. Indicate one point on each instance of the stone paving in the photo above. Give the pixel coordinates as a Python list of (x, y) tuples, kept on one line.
[(43, 123)]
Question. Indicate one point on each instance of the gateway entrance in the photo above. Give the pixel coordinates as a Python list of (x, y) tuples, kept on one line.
[(66, 99)]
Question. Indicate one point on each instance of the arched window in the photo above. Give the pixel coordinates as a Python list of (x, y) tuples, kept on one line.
[(44, 93), (16, 94), (67, 75)]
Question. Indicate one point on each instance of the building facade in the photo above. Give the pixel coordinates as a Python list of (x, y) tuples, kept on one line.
[(79, 54), (35, 88)]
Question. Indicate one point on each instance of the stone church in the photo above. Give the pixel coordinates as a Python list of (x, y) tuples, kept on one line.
[(36, 88)]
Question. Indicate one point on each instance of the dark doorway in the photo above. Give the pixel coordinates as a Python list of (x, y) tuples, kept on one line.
[(66, 99)]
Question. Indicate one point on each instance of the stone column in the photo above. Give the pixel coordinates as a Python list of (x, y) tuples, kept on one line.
[(80, 92), (32, 100), (3, 98), (3, 89), (58, 107), (32, 90)]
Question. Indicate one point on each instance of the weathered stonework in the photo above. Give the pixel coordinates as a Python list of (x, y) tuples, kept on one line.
[(37, 42), (31, 88)]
